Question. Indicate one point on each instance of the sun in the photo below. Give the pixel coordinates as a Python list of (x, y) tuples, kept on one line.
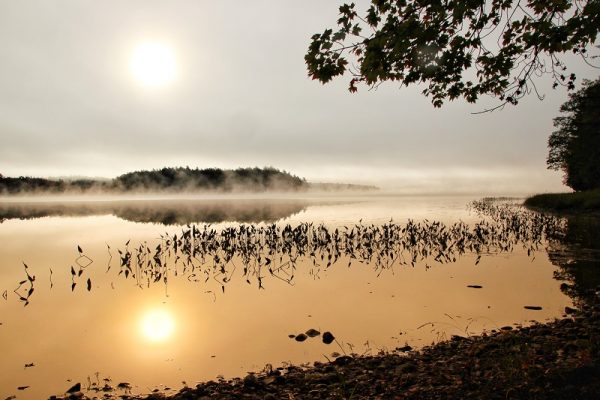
[(157, 325), (153, 64)]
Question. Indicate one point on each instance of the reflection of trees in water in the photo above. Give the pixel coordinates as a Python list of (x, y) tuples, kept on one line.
[(574, 248), (578, 257), (175, 212)]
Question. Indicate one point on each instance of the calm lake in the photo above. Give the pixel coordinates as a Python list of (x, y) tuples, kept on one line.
[(90, 318)]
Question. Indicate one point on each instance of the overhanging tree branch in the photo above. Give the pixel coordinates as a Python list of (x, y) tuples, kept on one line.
[(458, 49)]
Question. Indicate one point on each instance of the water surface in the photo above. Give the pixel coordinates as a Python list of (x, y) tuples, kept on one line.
[(191, 329)]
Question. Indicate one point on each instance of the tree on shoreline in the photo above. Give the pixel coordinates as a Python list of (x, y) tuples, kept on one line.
[(458, 49), (574, 147)]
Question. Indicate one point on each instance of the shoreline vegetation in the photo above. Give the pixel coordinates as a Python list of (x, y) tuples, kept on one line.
[(176, 180), (585, 202)]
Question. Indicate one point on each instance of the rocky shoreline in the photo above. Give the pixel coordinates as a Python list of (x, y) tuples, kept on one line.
[(556, 360)]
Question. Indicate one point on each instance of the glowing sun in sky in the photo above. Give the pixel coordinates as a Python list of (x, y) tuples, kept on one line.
[(157, 325), (153, 64)]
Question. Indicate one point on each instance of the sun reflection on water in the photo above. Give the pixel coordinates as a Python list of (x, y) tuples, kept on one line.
[(157, 325)]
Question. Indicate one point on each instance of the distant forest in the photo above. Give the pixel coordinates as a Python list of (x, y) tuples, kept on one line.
[(176, 180)]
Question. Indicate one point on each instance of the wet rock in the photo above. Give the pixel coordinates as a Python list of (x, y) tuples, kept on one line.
[(269, 380), (343, 360), (312, 332), (301, 337), (75, 388), (328, 337), (250, 380), (537, 308)]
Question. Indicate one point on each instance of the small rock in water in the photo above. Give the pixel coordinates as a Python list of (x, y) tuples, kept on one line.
[(569, 310), (404, 348), (22, 387), (506, 328), (532, 308), (312, 333), (124, 385), (474, 286), (301, 337), (291, 336), (328, 338), (75, 388)]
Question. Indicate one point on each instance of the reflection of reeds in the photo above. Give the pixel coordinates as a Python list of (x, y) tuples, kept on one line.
[(204, 253), (22, 291)]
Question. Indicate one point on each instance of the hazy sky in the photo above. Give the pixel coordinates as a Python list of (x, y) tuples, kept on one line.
[(69, 104)]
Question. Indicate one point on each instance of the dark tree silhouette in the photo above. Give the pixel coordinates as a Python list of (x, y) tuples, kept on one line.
[(457, 48), (165, 179), (574, 147)]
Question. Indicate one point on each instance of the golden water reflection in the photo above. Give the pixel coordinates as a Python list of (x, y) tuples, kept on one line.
[(190, 331), (157, 325)]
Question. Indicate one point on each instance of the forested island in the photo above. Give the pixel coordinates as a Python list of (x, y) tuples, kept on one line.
[(175, 180)]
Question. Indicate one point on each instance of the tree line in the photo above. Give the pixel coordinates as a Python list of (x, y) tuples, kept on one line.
[(160, 180)]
